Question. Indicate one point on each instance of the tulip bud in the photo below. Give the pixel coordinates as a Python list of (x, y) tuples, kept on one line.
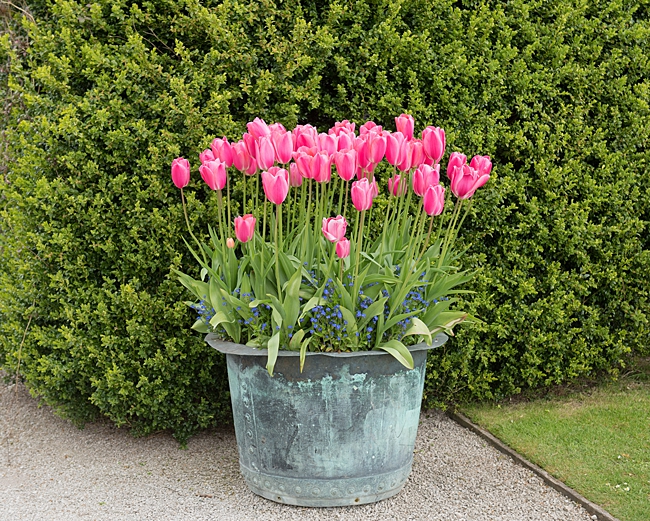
[(362, 193), (394, 147), (244, 228), (455, 159), (465, 180), (334, 228), (276, 184), (405, 124), (283, 145), (424, 177), (222, 150), (343, 248), (258, 128), (180, 172), (230, 242), (346, 164), (214, 174), (295, 177), (434, 200), (206, 156), (396, 186), (482, 164), (433, 139)]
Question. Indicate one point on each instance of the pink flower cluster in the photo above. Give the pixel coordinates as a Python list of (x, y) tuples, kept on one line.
[(304, 153), (334, 231)]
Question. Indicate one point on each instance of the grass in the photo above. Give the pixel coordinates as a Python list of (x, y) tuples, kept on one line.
[(593, 436)]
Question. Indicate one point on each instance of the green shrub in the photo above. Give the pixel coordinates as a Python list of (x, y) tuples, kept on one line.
[(557, 92)]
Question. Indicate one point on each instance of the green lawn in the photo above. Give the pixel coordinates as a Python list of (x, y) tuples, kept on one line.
[(594, 438)]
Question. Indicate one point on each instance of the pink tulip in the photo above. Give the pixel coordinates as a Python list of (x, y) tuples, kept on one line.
[(465, 180), (283, 145), (214, 174), (240, 156), (424, 177), (250, 144), (264, 153), (482, 164), (434, 200), (343, 248), (303, 158), (405, 124), (327, 142), (417, 152), (406, 161), (433, 139), (304, 136), (455, 159), (334, 228), (368, 126), (362, 194), (396, 186), (275, 182), (346, 164), (230, 242), (258, 128), (342, 127), (180, 172), (277, 127), (361, 146), (245, 227), (321, 167), (394, 147), (295, 177), (222, 150), (345, 141), (376, 146), (206, 156)]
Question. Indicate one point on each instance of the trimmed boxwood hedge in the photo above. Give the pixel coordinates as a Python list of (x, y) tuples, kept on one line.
[(100, 96)]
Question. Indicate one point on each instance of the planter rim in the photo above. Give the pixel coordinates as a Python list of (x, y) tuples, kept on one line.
[(231, 348)]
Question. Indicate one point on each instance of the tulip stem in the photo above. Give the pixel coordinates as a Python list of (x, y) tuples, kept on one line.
[(228, 201), (221, 228), (449, 232), (345, 204), (359, 244), (277, 256), (244, 198), (189, 229)]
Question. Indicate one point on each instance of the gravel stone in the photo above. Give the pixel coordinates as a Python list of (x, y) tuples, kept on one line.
[(50, 470)]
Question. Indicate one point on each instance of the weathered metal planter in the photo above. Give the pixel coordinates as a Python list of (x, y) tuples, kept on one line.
[(340, 433)]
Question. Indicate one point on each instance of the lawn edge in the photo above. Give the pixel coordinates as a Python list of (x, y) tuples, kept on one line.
[(592, 508)]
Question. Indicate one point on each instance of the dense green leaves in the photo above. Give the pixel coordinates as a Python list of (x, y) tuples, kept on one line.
[(107, 93)]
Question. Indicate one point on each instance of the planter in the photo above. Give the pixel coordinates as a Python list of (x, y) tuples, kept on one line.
[(340, 433)]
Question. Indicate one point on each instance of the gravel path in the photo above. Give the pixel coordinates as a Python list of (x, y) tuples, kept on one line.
[(50, 470)]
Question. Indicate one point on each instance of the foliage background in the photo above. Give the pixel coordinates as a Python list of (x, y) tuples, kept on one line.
[(100, 96)]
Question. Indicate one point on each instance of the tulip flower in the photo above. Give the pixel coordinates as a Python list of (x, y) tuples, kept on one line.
[(342, 127), (343, 248), (230, 242), (240, 156), (424, 177), (361, 146), (362, 193), (222, 150), (275, 182), (455, 159), (295, 177), (346, 164), (321, 167), (206, 156), (334, 228), (345, 141), (417, 152), (283, 145), (406, 160), (277, 127), (465, 180), (214, 174), (434, 200), (405, 124), (258, 128), (433, 139), (327, 142), (304, 136), (368, 126), (250, 144), (180, 172), (264, 153), (397, 186), (376, 146), (303, 158), (482, 164), (245, 227), (394, 147)]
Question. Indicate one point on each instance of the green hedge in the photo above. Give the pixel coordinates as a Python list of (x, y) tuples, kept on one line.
[(109, 92)]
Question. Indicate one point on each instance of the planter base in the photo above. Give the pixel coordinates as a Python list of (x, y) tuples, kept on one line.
[(326, 492)]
